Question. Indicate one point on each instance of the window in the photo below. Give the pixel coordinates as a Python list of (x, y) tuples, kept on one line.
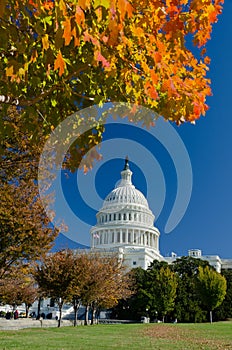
[(134, 262)]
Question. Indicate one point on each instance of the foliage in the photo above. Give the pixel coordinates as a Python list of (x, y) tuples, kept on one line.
[(211, 287), (24, 231), (95, 280), (55, 275), (17, 288), (162, 288), (59, 56), (154, 294), (105, 282), (224, 311), (188, 306)]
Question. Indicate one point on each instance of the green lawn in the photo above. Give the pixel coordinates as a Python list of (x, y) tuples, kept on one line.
[(131, 337)]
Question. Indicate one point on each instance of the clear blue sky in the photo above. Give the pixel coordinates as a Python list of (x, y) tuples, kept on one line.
[(207, 223)]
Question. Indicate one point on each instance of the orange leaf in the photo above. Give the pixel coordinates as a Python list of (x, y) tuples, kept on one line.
[(67, 31), (59, 63), (10, 71), (79, 16)]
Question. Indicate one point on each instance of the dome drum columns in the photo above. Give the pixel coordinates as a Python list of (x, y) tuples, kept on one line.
[(125, 236)]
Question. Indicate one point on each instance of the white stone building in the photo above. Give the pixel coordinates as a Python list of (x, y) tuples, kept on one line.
[(125, 224)]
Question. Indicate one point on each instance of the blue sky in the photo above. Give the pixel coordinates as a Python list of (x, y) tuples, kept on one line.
[(206, 224)]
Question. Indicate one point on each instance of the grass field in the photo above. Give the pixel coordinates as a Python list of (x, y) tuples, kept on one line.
[(217, 336)]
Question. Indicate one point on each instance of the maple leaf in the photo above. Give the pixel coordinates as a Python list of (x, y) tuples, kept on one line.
[(59, 63)]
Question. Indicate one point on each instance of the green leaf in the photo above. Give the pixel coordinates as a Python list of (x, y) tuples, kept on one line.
[(103, 3)]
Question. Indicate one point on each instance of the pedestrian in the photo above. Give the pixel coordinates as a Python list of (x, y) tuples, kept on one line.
[(16, 314)]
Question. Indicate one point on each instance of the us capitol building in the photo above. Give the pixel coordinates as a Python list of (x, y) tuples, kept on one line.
[(125, 225)]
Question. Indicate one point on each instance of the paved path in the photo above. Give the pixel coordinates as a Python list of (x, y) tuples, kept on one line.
[(30, 323)]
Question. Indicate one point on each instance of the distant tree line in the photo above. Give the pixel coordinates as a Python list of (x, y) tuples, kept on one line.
[(189, 290)]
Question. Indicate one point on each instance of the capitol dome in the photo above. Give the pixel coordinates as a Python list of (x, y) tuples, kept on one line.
[(125, 220), (125, 192)]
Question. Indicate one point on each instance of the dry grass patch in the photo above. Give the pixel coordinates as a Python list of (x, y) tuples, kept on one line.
[(179, 333)]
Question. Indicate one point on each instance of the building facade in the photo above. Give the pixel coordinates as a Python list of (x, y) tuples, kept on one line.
[(125, 224)]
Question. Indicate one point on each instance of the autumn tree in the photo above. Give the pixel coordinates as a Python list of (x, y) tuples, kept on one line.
[(60, 56), (211, 288), (92, 279), (104, 282), (57, 57), (54, 277), (18, 287), (25, 232)]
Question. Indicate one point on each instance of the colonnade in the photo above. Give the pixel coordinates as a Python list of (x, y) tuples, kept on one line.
[(125, 236)]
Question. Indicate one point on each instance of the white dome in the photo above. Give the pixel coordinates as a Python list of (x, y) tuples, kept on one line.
[(124, 192)]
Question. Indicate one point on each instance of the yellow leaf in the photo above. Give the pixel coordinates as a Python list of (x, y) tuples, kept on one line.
[(103, 3), (45, 42)]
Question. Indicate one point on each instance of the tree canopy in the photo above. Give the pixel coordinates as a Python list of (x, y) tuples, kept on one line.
[(211, 287), (96, 280), (60, 56)]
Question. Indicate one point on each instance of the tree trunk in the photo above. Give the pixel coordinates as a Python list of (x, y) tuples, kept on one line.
[(87, 315), (93, 314), (27, 309), (60, 303), (211, 316), (38, 310), (163, 318), (97, 314), (75, 308)]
